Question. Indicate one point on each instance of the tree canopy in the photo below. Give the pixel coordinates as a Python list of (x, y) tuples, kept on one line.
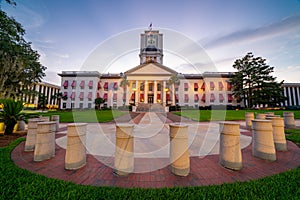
[(254, 84), (19, 63)]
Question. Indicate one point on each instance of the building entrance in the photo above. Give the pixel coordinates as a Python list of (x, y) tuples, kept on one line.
[(150, 98)]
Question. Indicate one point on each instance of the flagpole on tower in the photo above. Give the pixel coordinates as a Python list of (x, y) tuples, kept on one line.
[(150, 27)]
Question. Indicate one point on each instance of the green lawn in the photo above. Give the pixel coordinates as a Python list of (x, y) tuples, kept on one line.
[(88, 116), (211, 115), (293, 135), (17, 183)]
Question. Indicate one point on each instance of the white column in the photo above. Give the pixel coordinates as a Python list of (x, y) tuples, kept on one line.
[(164, 93), (146, 92), (127, 95), (137, 98), (172, 95), (155, 92)]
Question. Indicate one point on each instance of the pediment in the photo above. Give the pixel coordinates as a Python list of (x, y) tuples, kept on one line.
[(150, 69)]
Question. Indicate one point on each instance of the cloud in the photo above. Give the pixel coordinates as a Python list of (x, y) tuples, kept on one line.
[(278, 28)]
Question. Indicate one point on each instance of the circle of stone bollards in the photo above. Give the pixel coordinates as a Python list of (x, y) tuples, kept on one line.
[(179, 151), (230, 148), (260, 116)]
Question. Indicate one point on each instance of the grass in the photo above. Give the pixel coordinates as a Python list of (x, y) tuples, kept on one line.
[(216, 115), (88, 116), (293, 135), (16, 183)]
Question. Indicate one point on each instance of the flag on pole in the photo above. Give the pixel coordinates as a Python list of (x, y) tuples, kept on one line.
[(150, 26)]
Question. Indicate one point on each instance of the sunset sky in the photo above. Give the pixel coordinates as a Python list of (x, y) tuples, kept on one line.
[(65, 32)]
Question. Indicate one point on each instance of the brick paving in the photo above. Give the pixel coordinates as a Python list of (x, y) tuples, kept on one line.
[(204, 170)]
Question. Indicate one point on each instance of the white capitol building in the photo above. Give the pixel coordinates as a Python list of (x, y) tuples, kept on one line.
[(147, 84)]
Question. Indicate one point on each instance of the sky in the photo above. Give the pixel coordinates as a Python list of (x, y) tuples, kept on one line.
[(68, 34)]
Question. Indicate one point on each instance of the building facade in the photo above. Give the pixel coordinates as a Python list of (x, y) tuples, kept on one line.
[(148, 84), (45, 89)]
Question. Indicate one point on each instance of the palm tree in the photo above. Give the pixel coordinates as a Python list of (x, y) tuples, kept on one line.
[(174, 80), (124, 83), (11, 113)]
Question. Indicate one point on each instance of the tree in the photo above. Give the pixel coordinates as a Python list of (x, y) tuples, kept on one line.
[(254, 83), (59, 96), (10, 114), (124, 83), (19, 63), (98, 102), (174, 80)]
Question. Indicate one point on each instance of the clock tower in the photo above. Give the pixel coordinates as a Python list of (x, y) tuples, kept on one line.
[(151, 49)]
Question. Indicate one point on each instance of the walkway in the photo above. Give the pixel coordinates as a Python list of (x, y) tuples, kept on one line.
[(151, 156)]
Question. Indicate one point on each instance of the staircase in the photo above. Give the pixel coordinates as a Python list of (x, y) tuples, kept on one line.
[(150, 107)]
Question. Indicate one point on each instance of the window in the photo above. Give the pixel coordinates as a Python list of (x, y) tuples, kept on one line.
[(186, 86), (115, 86), (81, 96), (203, 98), (66, 84), (105, 86), (196, 98), (82, 84), (72, 96), (229, 86), (212, 98), (212, 86), (81, 105), (221, 98), (196, 87), (115, 96), (176, 98), (99, 85), (72, 105), (90, 96), (150, 87), (73, 84), (221, 86), (186, 98), (90, 85), (89, 105), (158, 87), (142, 87), (64, 105)]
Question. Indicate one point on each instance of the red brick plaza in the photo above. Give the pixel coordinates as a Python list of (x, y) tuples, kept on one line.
[(203, 170)]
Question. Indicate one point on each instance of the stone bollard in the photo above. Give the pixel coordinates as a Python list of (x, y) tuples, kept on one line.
[(45, 141), (262, 140), (124, 155), (249, 116), (31, 134), (230, 148), (76, 141), (21, 125), (179, 150), (269, 114), (260, 116), (289, 121), (278, 133), (55, 118), (45, 118)]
